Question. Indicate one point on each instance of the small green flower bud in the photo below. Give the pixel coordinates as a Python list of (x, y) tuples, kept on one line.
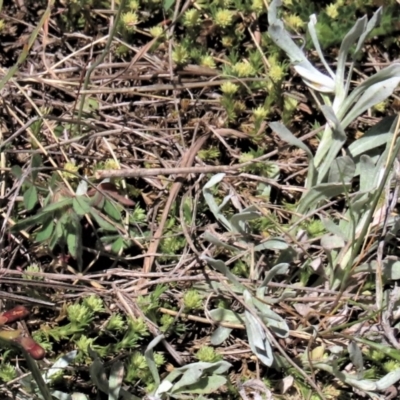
[(229, 88), (130, 20), (71, 167), (33, 268), (133, 5), (94, 303), (180, 55), (294, 21), (227, 41), (116, 323), (192, 300), (276, 73), (260, 113), (191, 18), (207, 61), (208, 354), (257, 6), (243, 69), (7, 372), (156, 31), (223, 18), (111, 164), (332, 11)]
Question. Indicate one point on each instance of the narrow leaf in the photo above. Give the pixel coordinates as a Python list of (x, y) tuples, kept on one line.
[(115, 381), (220, 335), (112, 210), (149, 355), (35, 163), (46, 231), (30, 198), (81, 205), (223, 269), (102, 222)]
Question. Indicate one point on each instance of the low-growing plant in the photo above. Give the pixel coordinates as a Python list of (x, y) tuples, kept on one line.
[(59, 221)]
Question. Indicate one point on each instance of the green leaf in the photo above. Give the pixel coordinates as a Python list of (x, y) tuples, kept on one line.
[(60, 231), (238, 221), (258, 340), (168, 4), (74, 239), (149, 355), (39, 218), (45, 232), (102, 222), (30, 198), (220, 335), (342, 170), (81, 205), (212, 204), (221, 267), (90, 105), (72, 243), (320, 192), (35, 163), (117, 245), (227, 316), (205, 385), (16, 170), (112, 210), (289, 138), (57, 206), (115, 381)]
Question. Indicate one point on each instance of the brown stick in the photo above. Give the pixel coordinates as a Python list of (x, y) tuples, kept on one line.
[(187, 161), (142, 172)]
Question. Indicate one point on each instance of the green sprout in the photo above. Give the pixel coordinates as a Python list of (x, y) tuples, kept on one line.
[(116, 323), (79, 315), (332, 11), (211, 153), (94, 303), (294, 22), (7, 372), (180, 55), (156, 31), (129, 20), (192, 300), (191, 18), (260, 113), (229, 88), (134, 5), (223, 18), (166, 322), (208, 354), (243, 69), (33, 268), (207, 61)]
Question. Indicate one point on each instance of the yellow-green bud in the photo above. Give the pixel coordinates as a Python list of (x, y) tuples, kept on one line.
[(243, 69), (207, 61), (332, 11), (260, 113), (294, 21), (156, 31), (229, 88), (130, 19), (223, 18), (191, 18)]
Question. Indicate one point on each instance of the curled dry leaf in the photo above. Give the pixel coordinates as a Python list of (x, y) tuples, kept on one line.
[(15, 314), (111, 190), (35, 350)]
